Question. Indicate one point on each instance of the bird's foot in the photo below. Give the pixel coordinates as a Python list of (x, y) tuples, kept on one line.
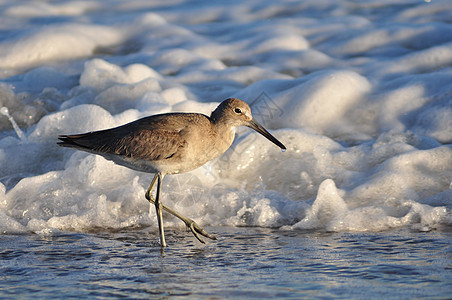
[(191, 225), (197, 230)]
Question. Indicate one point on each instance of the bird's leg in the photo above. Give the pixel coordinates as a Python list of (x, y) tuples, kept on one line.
[(158, 209), (158, 205), (148, 194), (194, 228)]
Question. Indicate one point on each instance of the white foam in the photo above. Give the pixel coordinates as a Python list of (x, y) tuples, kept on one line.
[(360, 96), (4, 111), (53, 43)]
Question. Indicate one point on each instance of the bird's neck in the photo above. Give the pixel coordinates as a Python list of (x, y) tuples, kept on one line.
[(215, 116), (223, 132)]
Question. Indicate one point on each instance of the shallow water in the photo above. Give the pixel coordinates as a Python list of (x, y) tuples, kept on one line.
[(243, 263), (358, 92)]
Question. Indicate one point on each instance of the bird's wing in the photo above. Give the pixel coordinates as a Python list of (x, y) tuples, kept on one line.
[(148, 138), (151, 145)]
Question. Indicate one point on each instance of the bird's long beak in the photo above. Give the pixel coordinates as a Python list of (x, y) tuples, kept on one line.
[(258, 127)]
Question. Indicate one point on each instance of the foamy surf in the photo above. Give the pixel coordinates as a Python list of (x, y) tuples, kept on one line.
[(366, 117)]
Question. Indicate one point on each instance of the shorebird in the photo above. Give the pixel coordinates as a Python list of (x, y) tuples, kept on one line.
[(170, 143)]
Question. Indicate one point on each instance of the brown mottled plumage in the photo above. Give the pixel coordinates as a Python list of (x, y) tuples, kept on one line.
[(169, 144)]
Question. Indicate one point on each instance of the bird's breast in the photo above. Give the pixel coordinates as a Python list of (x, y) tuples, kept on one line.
[(209, 145)]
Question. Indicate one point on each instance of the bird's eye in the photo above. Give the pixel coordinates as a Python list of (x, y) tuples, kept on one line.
[(238, 110)]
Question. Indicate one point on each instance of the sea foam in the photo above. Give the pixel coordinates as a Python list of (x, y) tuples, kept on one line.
[(361, 100)]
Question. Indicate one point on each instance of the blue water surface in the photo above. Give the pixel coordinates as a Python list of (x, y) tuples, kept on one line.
[(243, 263)]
